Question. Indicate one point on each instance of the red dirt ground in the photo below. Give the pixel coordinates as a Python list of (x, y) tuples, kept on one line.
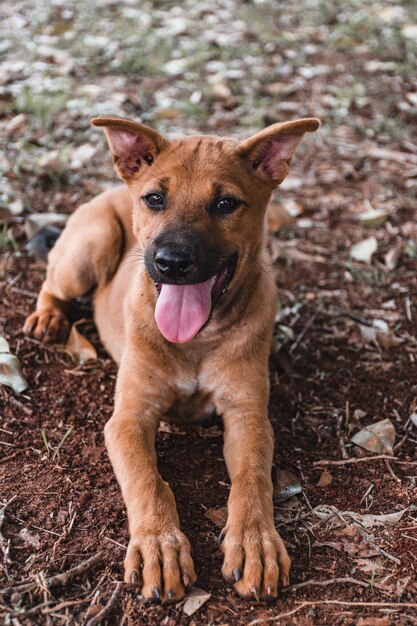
[(70, 504)]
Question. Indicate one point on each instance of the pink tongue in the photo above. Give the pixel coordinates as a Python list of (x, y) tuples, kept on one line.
[(181, 310)]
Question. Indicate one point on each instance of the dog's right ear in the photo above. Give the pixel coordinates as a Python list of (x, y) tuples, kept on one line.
[(132, 145)]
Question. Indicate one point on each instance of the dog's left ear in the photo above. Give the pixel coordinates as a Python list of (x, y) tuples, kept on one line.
[(270, 151), (133, 145)]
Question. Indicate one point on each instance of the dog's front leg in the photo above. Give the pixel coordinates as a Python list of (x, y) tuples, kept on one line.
[(158, 556), (255, 557)]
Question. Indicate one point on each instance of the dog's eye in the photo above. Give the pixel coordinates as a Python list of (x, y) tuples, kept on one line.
[(155, 201), (225, 205)]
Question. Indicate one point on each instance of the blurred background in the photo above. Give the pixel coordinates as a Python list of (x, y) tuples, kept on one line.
[(228, 67)]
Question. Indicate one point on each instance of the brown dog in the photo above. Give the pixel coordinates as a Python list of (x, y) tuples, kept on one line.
[(185, 304)]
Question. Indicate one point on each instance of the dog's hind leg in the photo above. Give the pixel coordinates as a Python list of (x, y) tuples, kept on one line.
[(85, 255)]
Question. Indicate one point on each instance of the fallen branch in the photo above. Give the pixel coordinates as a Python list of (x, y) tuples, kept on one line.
[(97, 619), (58, 579), (363, 459)]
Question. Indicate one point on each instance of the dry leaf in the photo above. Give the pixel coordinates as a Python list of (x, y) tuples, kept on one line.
[(374, 217), (393, 256), (378, 337), (217, 516), (79, 347), (4, 345), (378, 437), (326, 512), (30, 539), (364, 250), (413, 418), (368, 566), (35, 222), (325, 479), (11, 372), (277, 217), (286, 485), (194, 600)]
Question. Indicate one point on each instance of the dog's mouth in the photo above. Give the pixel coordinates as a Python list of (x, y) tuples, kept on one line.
[(183, 310)]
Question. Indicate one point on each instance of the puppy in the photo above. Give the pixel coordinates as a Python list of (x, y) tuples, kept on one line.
[(185, 304)]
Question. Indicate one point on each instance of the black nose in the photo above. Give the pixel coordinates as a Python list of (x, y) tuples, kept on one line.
[(174, 260)]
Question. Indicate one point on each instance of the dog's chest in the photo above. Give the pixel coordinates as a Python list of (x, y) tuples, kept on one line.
[(192, 402)]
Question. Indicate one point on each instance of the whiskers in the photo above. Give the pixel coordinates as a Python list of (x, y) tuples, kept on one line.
[(134, 258)]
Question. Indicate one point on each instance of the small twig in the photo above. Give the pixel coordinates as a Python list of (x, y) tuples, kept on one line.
[(363, 459), (262, 620), (5, 545), (407, 303), (391, 471), (64, 604), (97, 619), (325, 583), (10, 456), (24, 292), (408, 428), (304, 604), (301, 336), (397, 605), (58, 579), (369, 539), (116, 543)]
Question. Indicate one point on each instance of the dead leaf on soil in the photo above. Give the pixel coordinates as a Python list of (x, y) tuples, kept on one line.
[(4, 345), (413, 418), (217, 516), (194, 600), (277, 217), (379, 335), (10, 370), (393, 256), (378, 438), (363, 251), (373, 566), (30, 539), (35, 222), (373, 218), (327, 512), (286, 486), (79, 348), (325, 479)]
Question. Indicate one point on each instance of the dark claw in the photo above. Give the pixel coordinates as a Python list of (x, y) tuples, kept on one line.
[(157, 593), (221, 537), (134, 578), (171, 594), (255, 592), (237, 574)]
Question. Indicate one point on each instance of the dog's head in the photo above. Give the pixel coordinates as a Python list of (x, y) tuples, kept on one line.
[(199, 206)]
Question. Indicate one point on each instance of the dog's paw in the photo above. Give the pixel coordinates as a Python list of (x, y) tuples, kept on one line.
[(160, 564), (255, 560), (48, 325)]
